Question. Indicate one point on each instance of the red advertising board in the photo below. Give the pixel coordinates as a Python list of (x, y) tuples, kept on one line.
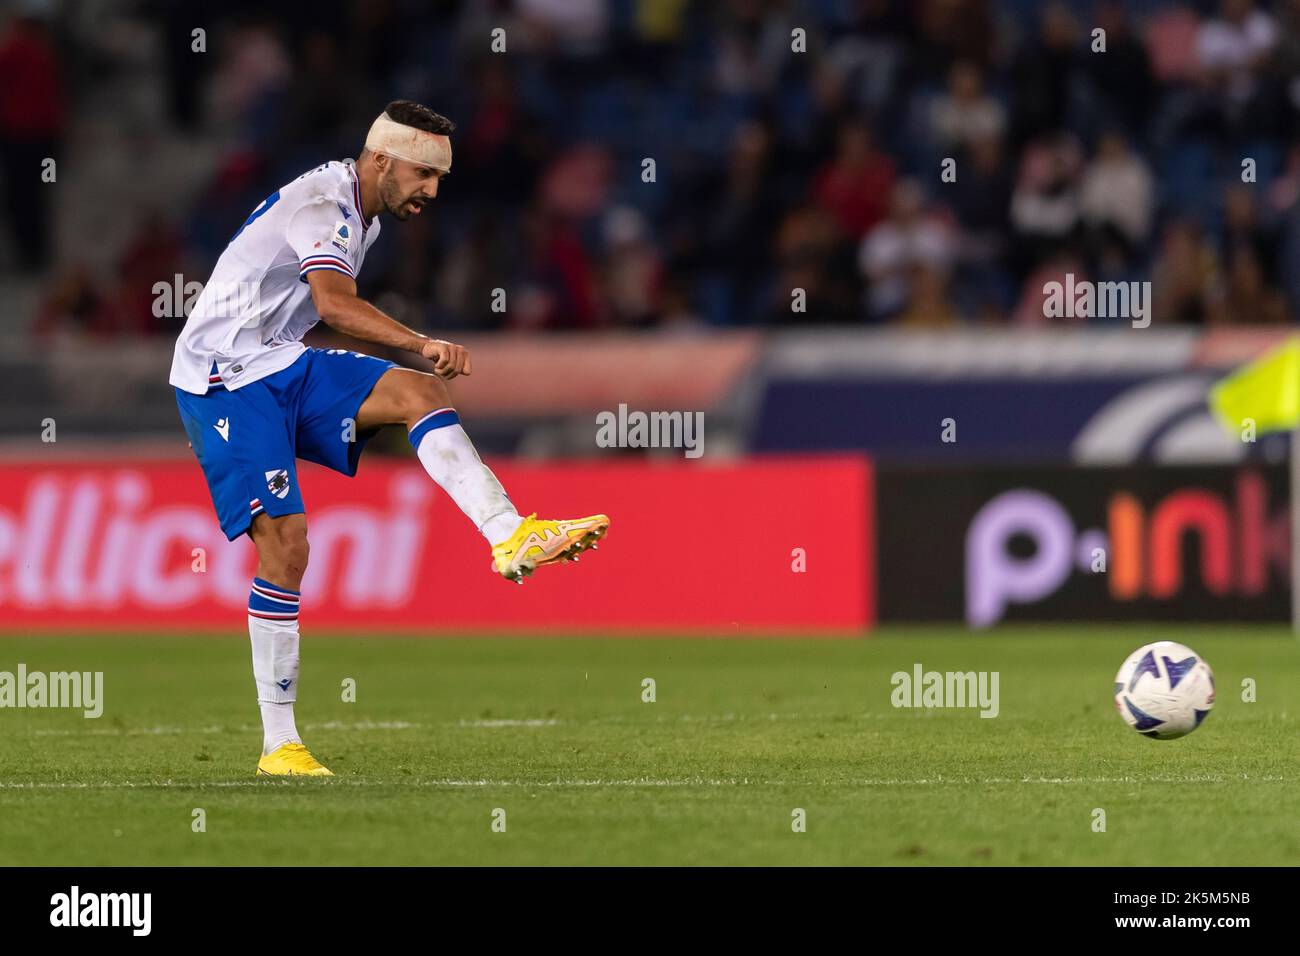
[(691, 547)]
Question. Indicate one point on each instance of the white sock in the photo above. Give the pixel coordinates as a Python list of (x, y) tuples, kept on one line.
[(450, 459), (273, 630), (278, 727)]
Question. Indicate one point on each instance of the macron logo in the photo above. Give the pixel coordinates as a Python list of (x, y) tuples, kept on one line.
[(223, 429), (75, 908), (284, 684)]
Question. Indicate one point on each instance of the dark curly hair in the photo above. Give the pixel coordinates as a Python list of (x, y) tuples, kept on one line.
[(410, 113)]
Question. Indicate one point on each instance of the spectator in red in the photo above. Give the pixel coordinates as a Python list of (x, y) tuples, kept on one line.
[(559, 290), (855, 186), (154, 254), (31, 127)]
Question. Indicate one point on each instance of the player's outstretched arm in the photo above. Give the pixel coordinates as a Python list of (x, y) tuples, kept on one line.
[(335, 297)]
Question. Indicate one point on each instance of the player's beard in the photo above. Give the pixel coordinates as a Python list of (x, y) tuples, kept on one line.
[(391, 195)]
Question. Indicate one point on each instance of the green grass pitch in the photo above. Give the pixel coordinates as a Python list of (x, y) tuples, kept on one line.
[(555, 733)]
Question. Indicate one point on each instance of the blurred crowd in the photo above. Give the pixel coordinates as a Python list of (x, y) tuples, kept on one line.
[(867, 162)]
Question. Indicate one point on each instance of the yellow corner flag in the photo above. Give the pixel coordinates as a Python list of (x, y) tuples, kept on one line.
[(1267, 392)]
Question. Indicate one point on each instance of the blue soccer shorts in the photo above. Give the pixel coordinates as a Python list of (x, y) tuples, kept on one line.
[(248, 440)]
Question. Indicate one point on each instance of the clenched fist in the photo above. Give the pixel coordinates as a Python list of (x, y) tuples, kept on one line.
[(449, 359)]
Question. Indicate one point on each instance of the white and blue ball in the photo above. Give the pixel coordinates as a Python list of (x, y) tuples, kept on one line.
[(1164, 690)]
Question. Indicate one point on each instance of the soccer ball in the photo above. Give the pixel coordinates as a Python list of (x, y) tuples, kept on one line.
[(1164, 690)]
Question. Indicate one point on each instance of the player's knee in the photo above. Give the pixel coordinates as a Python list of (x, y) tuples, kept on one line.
[(428, 394), (294, 551), (283, 549)]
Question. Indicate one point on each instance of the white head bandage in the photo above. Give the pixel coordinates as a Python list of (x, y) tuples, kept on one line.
[(408, 143)]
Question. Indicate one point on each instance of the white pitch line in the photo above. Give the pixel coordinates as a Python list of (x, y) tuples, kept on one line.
[(480, 723), (175, 731), (631, 782), (335, 782), (129, 731)]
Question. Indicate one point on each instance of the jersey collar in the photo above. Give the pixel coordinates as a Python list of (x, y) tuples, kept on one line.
[(356, 196)]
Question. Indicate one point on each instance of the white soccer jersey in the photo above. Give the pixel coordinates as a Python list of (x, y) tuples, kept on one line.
[(251, 316)]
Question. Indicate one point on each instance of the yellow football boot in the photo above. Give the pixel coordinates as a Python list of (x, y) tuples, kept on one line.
[(538, 542), (291, 760)]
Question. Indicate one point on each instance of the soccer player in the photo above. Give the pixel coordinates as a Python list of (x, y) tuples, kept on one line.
[(253, 398)]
